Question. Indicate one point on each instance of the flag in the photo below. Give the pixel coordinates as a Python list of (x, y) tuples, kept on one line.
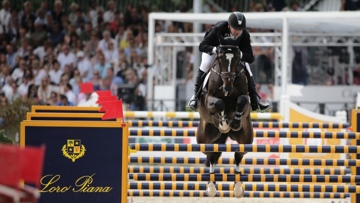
[(103, 93), (87, 87), (104, 99), (113, 109)]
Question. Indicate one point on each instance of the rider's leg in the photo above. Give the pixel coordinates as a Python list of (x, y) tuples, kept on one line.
[(254, 96), (206, 60)]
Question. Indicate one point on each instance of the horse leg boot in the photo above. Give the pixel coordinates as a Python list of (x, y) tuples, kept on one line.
[(254, 96), (212, 159), (238, 189), (241, 103), (194, 101)]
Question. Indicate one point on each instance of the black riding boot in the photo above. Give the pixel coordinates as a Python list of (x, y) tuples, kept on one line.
[(255, 97), (194, 101)]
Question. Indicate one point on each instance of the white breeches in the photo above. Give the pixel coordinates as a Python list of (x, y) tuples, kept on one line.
[(207, 59)]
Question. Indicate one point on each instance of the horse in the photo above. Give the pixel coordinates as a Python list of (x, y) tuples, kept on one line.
[(224, 106)]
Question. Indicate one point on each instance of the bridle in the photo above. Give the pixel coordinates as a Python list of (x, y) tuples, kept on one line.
[(228, 75)]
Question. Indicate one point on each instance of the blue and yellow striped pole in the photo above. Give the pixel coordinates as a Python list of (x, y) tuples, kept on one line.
[(180, 124), (258, 134), (246, 148), (226, 170), (246, 178), (265, 187), (247, 161), (143, 193)]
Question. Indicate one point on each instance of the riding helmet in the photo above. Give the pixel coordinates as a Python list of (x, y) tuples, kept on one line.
[(237, 21)]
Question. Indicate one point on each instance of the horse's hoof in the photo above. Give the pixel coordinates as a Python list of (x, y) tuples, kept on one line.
[(211, 189), (224, 128), (238, 190), (235, 127)]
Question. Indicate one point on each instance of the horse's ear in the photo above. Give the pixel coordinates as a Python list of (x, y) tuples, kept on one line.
[(220, 37)]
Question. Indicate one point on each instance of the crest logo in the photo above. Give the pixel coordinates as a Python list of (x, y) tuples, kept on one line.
[(239, 22), (73, 150)]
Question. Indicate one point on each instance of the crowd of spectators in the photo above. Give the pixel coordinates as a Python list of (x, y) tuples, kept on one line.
[(46, 53)]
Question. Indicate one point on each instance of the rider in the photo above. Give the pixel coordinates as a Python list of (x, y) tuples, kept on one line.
[(234, 26)]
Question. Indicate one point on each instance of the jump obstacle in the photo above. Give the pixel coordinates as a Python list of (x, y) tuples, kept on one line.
[(246, 161), (301, 175)]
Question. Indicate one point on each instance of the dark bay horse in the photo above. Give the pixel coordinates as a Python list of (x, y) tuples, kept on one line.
[(224, 105)]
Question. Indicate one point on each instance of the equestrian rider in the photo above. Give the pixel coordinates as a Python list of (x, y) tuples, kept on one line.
[(234, 27)]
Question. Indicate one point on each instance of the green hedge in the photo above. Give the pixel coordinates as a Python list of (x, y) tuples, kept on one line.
[(12, 116)]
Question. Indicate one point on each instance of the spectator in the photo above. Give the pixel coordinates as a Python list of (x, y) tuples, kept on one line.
[(72, 15), (5, 17), (97, 82), (41, 51), (38, 72), (56, 35), (55, 73), (109, 15), (24, 86), (64, 101), (24, 51), (66, 57), (104, 43), (115, 80), (15, 92), (32, 93), (84, 67), (44, 7), (38, 36), (7, 88), (93, 13), (18, 73), (102, 66), (68, 73), (111, 54), (91, 45), (41, 18), (27, 15), (70, 95), (4, 73), (44, 90), (274, 5), (85, 34), (133, 19), (57, 13), (10, 55), (53, 99)]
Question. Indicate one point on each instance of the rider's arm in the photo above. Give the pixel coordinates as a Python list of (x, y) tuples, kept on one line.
[(211, 41), (245, 48)]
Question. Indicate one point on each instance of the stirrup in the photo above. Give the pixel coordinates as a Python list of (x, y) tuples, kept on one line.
[(263, 107)]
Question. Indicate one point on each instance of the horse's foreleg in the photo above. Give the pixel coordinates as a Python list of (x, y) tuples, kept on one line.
[(241, 104), (216, 105), (211, 160)]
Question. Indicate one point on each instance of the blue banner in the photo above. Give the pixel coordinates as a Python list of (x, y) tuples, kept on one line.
[(82, 163)]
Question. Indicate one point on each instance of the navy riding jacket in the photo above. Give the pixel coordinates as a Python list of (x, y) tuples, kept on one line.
[(211, 40)]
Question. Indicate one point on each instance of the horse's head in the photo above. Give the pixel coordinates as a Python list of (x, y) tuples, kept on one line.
[(228, 57)]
